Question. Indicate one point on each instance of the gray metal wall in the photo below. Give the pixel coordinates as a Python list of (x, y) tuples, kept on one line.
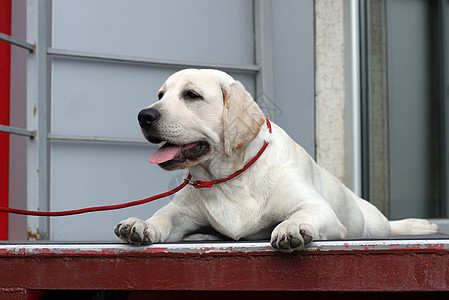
[(413, 131), (93, 98)]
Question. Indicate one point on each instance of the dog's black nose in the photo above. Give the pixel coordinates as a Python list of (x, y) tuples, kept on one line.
[(148, 115)]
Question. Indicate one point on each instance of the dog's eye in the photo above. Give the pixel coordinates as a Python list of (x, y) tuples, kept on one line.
[(189, 95), (160, 95)]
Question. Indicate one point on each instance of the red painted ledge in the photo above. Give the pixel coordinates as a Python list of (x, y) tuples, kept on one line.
[(369, 265)]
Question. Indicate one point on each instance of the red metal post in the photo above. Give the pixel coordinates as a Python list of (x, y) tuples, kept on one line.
[(5, 70)]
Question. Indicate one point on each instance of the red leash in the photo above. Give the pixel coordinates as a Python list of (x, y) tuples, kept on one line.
[(196, 184), (92, 209)]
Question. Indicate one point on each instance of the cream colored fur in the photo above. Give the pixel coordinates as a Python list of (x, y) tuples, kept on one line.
[(285, 196)]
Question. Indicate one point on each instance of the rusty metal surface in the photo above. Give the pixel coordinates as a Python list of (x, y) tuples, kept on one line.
[(362, 265)]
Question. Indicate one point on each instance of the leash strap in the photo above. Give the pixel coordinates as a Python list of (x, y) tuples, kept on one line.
[(197, 184), (92, 209)]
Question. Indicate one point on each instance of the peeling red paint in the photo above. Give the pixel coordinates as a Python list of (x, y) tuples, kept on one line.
[(156, 250), (250, 271), (325, 266), (13, 290), (436, 247), (369, 247)]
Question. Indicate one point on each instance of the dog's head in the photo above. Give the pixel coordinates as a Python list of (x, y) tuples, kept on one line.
[(201, 114)]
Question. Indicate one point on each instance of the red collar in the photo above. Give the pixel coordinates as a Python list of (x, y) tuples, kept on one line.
[(207, 184)]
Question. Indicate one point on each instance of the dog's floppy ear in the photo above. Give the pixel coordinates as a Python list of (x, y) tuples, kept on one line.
[(242, 117)]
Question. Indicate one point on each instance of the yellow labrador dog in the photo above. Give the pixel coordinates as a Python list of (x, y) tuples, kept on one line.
[(208, 123)]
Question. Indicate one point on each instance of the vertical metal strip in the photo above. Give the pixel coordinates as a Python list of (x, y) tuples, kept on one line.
[(438, 99), (443, 11), (264, 54), (374, 106), (352, 94), (364, 100), (5, 68), (37, 148)]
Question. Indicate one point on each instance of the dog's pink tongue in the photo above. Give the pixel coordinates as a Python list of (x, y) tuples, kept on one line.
[(165, 153)]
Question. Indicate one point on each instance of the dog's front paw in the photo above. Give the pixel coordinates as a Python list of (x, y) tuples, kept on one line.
[(134, 232), (289, 236)]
